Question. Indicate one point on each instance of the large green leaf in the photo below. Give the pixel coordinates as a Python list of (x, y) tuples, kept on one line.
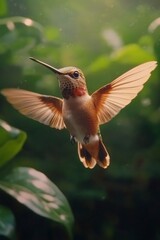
[(7, 222), (33, 189), (132, 54), (11, 142)]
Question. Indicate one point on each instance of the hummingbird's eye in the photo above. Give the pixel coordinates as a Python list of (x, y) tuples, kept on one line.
[(75, 74)]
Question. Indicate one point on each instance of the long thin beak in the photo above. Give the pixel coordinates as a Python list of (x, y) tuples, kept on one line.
[(55, 70)]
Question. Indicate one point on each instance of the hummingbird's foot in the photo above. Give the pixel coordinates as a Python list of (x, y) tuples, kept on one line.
[(72, 139), (99, 134), (86, 139)]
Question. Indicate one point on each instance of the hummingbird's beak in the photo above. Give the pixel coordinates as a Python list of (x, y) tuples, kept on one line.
[(55, 70)]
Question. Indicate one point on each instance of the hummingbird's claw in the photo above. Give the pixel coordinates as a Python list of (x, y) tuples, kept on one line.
[(99, 134), (72, 139), (86, 139)]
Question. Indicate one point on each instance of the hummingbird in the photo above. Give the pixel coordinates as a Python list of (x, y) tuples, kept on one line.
[(78, 111)]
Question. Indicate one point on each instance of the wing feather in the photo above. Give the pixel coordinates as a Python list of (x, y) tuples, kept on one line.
[(111, 98), (45, 109)]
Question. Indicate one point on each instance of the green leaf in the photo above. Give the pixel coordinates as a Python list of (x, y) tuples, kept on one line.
[(33, 189), (7, 222), (99, 64), (11, 142), (3, 7), (51, 33), (132, 54)]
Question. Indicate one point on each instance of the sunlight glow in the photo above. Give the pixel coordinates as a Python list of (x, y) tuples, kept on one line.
[(62, 217), (28, 22), (156, 23), (112, 38), (10, 25), (146, 102)]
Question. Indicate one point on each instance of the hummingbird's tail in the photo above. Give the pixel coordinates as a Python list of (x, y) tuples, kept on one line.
[(93, 153)]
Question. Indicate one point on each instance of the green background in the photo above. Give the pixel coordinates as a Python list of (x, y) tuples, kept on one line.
[(104, 39)]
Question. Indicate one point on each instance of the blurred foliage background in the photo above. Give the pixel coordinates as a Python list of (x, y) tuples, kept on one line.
[(104, 39)]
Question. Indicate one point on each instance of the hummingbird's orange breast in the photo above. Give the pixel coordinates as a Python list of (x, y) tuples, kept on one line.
[(80, 117)]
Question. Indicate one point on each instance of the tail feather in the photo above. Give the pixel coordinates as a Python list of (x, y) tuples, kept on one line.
[(93, 153), (85, 157), (103, 159)]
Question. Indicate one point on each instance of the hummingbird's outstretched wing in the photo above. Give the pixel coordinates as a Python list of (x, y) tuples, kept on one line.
[(111, 98), (45, 109)]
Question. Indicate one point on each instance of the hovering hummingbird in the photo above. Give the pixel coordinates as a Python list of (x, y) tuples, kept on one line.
[(79, 112)]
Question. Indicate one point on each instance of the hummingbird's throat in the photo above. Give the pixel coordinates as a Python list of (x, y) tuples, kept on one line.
[(73, 92)]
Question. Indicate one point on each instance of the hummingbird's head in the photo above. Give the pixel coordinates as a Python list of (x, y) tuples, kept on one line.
[(71, 80)]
